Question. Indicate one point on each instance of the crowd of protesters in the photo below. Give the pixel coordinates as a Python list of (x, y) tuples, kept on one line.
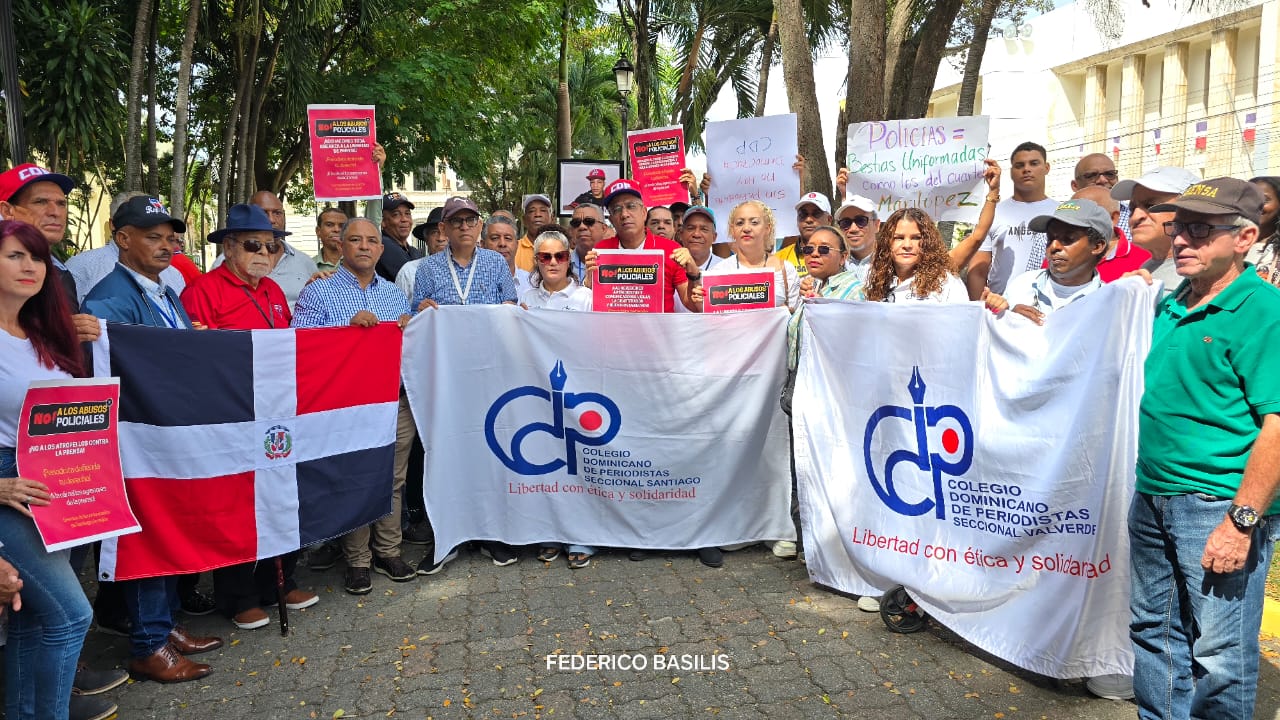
[(1202, 522)]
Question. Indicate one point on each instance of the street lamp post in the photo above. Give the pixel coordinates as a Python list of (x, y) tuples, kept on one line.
[(623, 73)]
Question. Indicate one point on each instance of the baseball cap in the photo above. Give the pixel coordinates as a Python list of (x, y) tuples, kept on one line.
[(391, 201), (596, 174), (527, 200), (1165, 179), (865, 204), (815, 199), (12, 181), (457, 204), (620, 187), (700, 210), (1078, 213), (147, 212), (1219, 196)]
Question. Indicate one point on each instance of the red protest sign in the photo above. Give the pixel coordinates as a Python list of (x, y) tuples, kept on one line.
[(629, 281), (730, 292), (657, 157), (342, 140), (67, 439)]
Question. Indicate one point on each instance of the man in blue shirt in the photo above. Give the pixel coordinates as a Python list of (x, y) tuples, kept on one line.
[(356, 295), (464, 274)]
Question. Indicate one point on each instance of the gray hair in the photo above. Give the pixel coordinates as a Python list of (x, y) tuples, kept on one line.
[(356, 219), (535, 276), (600, 213), (496, 219), (1243, 223)]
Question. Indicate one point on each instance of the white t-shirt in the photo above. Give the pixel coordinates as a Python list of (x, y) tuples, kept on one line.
[(407, 275), (19, 366), (521, 279), (1037, 289), (953, 291), (786, 281), (1015, 249), (711, 261), (572, 297)]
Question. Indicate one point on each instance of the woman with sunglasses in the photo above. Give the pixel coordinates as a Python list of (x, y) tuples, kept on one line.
[(751, 225), (912, 265), (49, 616), (555, 287)]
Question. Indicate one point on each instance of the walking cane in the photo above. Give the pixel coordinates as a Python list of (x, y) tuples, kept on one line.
[(284, 609)]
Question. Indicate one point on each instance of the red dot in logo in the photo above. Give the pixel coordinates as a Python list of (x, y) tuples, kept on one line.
[(950, 440), (590, 421)]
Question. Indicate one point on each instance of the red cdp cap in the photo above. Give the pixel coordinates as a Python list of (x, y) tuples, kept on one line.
[(12, 181), (620, 187)]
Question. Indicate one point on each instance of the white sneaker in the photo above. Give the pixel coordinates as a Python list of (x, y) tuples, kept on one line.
[(1111, 687), (867, 603), (784, 549)]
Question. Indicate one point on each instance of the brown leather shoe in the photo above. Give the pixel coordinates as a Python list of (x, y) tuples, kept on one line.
[(167, 666), (187, 644)]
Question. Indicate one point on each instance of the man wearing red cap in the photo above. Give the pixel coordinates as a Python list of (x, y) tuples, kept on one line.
[(38, 197), (594, 196), (627, 212)]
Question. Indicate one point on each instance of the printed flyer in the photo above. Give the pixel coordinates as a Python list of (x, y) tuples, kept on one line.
[(629, 281), (342, 140), (731, 292), (657, 157)]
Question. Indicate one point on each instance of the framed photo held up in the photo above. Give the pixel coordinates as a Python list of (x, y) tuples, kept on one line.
[(581, 181)]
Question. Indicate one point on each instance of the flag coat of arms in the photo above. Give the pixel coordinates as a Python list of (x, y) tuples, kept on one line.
[(243, 445)]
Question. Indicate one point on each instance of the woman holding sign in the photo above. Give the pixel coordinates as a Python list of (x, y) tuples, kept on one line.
[(912, 265), (38, 342), (751, 225)]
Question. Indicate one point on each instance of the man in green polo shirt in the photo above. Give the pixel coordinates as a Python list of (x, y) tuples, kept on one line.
[(1202, 524)]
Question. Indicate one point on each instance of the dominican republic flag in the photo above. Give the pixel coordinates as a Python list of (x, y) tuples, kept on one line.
[(244, 445)]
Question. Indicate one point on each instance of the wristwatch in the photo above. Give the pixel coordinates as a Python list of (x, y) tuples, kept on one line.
[(1243, 516)]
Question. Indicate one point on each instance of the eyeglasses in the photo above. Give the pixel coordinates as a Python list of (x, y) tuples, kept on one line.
[(545, 257), (254, 246), (1193, 230), (632, 206), (806, 214), (823, 250), (468, 221), (859, 220), (1089, 177), (578, 222)]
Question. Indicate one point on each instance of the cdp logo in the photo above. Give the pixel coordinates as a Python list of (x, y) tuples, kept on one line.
[(589, 428), (947, 425)]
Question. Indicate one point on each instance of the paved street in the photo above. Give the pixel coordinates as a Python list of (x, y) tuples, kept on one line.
[(473, 642)]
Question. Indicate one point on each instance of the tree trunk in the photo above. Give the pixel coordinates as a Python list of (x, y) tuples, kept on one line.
[(973, 58), (864, 86), (898, 42), (178, 199), (133, 103), (645, 70), (930, 48), (257, 166), (564, 118), (153, 161), (797, 71), (766, 63), (248, 73), (682, 105)]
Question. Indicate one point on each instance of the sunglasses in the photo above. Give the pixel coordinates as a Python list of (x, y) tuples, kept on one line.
[(1193, 230), (1089, 177), (859, 220), (578, 222), (254, 246), (820, 249), (545, 257)]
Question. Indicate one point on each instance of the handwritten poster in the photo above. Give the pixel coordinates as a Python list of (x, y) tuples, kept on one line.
[(629, 281), (67, 440), (657, 157), (730, 292), (751, 159), (934, 164), (342, 140)]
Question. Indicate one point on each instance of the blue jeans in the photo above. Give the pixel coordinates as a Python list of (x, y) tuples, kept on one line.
[(1194, 632), (45, 637), (152, 604)]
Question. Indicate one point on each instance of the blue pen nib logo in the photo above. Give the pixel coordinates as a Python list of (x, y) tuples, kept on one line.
[(589, 421), (922, 418)]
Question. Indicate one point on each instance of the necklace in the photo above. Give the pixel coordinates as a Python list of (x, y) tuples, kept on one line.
[(471, 275)]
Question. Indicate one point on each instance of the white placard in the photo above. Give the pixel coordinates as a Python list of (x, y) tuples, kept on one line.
[(751, 159)]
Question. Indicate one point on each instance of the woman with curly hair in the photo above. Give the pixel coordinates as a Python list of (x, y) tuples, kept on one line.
[(911, 264)]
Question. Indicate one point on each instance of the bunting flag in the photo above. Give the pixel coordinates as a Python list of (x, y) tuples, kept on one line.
[(243, 445)]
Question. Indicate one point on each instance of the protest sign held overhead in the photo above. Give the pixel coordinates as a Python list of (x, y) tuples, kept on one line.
[(934, 164), (751, 159), (342, 140), (657, 157), (67, 439)]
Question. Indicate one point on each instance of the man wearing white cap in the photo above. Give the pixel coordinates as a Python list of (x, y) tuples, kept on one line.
[(537, 212), (1147, 228), (812, 212), (857, 218)]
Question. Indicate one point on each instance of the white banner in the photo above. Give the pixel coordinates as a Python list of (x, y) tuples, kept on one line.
[(934, 164), (625, 430), (751, 159), (985, 464)]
